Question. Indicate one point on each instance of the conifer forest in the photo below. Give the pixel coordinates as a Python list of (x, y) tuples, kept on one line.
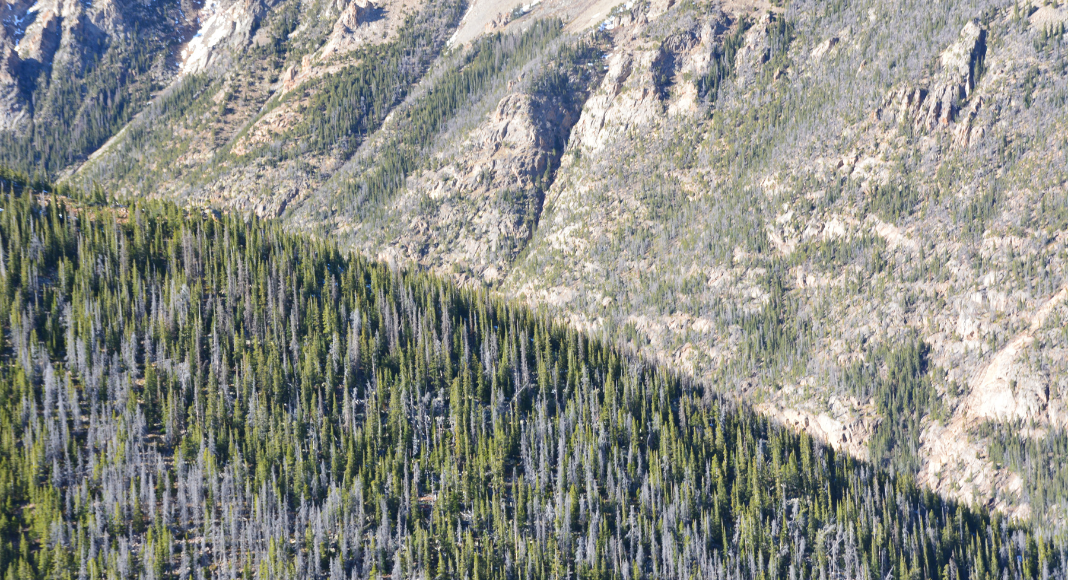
[(189, 394)]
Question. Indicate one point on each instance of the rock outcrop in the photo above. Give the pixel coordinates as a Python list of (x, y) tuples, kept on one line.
[(484, 204), (42, 37), (13, 105), (938, 102), (226, 25), (645, 81), (623, 100), (359, 22), (1006, 390), (36, 38)]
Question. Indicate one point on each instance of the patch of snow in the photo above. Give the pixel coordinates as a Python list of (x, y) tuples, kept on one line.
[(452, 38)]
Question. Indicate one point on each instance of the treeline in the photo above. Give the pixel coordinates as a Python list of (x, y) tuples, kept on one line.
[(193, 395)]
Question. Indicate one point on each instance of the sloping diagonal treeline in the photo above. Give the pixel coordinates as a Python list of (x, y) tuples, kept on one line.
[(201, 396)]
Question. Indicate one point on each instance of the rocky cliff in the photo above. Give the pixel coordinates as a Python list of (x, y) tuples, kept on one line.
[(72, 73), (12, 97)]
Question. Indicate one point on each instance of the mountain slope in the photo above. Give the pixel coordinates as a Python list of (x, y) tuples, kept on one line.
[(188, 394), (73, 73), (792, 249), (852, 213)]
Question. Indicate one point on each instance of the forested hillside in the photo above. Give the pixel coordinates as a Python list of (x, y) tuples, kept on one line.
[(188, 394), (851, 214)]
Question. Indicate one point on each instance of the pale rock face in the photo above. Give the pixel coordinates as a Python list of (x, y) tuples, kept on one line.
[(226, 25), (963, 135), (659, 7), (497, 23), (997, 392), (295, 75), (623, 100), (645, 83), (486, 199), (845, 426), (937, 104), (37, 35), (527, 127), (959, 60), (1006, 389), (958, 467), (822, 49), (12, 103), (42, 37), (364, 22), (892, 234), (57, 27)]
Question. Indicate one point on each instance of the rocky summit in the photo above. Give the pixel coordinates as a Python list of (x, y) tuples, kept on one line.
[(851, 215)]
